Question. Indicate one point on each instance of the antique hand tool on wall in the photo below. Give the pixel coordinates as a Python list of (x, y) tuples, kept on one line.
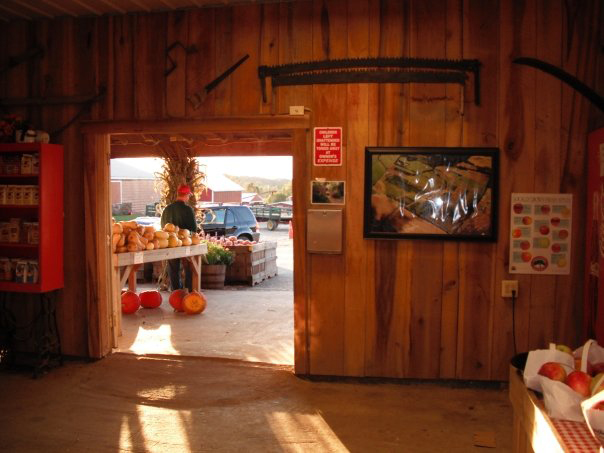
[(197, 98), (570, 80), (372, 70)]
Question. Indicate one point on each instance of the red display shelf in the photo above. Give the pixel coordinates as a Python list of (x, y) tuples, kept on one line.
[(12, 287), (16, 245), (48, 213)]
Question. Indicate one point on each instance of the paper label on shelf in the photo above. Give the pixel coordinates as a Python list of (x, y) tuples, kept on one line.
[(187, 251), (138, 257)]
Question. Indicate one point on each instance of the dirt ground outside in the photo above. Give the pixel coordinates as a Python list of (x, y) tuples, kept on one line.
[(252, 323)]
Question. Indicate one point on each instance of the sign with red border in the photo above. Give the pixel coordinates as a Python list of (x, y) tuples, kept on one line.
[(327, 146)]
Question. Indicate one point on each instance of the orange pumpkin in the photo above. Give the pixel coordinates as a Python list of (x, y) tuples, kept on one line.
[(176, 299), (130, 302), (150, 299), (194, 303)]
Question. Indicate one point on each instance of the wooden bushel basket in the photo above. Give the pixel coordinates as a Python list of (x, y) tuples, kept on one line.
[(212, 276)]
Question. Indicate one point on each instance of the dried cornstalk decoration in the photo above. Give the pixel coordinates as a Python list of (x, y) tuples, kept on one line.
[(179, 167)]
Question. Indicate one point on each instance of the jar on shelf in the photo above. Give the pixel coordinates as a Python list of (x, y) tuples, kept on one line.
[(21, 271)]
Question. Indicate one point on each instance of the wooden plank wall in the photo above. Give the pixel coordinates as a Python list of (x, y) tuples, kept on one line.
[(422, 309)]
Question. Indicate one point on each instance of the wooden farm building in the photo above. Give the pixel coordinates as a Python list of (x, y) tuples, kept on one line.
[(104, 77)]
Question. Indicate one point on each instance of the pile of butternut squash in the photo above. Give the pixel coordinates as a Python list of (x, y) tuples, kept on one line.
[(129, 236)]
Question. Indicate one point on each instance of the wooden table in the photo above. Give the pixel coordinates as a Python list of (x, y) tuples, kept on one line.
[(535, 431), (131, 261)]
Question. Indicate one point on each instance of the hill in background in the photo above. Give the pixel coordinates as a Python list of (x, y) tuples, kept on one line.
[(278, 189)]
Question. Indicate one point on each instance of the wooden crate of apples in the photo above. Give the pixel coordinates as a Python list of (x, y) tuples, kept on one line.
[(129, 236)]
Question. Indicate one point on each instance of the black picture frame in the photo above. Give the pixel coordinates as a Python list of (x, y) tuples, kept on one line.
[(431, 193)]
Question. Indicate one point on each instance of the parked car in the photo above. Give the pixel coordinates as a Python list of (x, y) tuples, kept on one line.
[(236, 221)]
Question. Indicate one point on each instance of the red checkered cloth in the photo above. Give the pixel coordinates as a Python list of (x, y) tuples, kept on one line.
[(576, 436)]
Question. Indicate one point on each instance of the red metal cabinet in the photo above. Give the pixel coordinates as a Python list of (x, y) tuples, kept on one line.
[(42, 206), (593, 319)]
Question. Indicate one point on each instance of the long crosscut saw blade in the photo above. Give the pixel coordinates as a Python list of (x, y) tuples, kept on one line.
[(372, 70)]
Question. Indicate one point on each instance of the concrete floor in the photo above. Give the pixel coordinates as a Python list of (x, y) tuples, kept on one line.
[(188, 401), (240, 322), (183, 404)]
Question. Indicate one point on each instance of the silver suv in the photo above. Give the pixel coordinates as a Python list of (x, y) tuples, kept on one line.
[(236, 221)]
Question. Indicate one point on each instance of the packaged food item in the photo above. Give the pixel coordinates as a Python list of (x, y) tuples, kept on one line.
[(35, 195), (18, 195), (35, 164), (26, 195), (12, 164), (15, 230), (4, 231), (33, 234), (26, 164), (5, 270), (21, 271), (32, 272), (10, 194)]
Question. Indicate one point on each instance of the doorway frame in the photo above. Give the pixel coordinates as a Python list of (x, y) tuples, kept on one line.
[(100, 290)]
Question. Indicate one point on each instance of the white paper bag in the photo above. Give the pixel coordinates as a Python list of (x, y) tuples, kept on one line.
[(561, 401), (594, 417)]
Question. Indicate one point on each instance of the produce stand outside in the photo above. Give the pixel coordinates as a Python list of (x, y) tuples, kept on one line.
[(133, 260), (535, 431)]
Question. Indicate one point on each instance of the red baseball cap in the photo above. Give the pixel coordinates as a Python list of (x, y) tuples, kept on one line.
[(184, 189)]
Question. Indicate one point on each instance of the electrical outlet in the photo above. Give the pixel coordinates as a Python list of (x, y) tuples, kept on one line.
[(296, 110), (509, 286)]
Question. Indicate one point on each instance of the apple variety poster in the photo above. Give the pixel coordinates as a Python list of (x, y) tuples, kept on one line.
[(540, 233)]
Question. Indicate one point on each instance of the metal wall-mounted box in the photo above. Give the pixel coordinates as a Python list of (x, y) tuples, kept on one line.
[(324, 231)]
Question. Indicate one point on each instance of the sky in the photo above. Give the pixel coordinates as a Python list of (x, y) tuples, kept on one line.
[(266, 167)]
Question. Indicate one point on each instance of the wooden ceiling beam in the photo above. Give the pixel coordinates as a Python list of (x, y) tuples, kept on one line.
[(59, 7), (264, 123), (14, 12), (114, 6), (36, 10), (270, 148), (87, 7)]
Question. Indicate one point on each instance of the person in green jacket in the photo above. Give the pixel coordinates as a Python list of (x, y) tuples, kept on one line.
[(179, 213)]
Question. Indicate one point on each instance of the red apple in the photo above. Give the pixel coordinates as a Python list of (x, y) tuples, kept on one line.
[(525, 245), (130, 302), (518, 208), (544, 229), (527, 220), (579, 382), (553, 370), (517, 233), (150, 299), (563, 234), (555, 221), (545, 209), (526, 257), (556, 248)]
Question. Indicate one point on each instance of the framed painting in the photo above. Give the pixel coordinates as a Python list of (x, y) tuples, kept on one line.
[(431, 193)]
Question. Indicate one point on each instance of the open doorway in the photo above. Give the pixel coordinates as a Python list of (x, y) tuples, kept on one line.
[(247, 321)]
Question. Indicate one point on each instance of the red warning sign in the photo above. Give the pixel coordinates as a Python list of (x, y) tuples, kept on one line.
[(328, 145)]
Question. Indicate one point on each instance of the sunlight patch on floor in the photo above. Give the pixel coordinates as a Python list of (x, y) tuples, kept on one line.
[(163, 429), (287, 428), (149, 341)]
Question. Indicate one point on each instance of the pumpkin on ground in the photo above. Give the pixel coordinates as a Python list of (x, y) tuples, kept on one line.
[(150, 299), (176, 299), (130, 302), (194, 303)]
